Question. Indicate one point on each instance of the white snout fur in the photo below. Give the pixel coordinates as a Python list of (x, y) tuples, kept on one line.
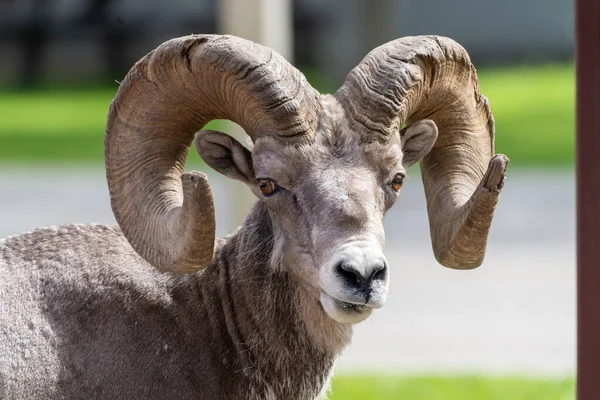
[(334, 290)]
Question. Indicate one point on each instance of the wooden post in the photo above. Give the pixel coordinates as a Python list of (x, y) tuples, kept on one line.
[(588, 198), (268, 22)]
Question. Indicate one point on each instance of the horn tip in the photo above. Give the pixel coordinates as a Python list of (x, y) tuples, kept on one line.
[(194, 182), (450, 261), (496, 173)]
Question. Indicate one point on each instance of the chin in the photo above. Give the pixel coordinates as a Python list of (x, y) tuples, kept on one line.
[(342, 312)]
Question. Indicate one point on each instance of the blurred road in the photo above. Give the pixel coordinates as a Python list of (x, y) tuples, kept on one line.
[(515, 314)]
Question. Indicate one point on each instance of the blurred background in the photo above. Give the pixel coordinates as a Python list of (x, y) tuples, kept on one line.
[(503, 331)]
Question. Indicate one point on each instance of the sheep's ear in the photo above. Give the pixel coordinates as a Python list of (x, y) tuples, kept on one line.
[(417, 140), (226, 155)]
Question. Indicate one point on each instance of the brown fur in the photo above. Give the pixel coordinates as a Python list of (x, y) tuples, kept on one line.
[(98, 322)]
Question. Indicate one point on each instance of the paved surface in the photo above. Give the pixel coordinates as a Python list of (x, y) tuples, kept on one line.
[(514, 314)]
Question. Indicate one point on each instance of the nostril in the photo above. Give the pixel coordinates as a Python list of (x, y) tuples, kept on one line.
[(349, 273), (378, 273), (361, 278)]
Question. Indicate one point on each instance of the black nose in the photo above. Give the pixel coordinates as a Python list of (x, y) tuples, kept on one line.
[(361, 277)]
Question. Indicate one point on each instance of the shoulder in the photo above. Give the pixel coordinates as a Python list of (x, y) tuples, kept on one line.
[(69, 245), (43, 242)]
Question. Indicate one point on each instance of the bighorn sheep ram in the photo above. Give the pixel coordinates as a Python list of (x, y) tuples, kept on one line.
[(263, 313)]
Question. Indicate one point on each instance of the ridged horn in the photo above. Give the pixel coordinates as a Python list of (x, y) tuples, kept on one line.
[(431, 77), (168, 216)]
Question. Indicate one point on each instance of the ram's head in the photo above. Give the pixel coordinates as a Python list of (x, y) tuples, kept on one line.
[(327, 167)]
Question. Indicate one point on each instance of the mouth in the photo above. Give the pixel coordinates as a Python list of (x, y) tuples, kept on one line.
[(356, 307), (343, 311)]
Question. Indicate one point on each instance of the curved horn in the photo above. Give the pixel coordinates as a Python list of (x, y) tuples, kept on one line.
[(432, 77), (165, 98)]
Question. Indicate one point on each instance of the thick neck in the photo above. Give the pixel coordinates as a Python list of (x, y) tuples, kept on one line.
[(279, 326)]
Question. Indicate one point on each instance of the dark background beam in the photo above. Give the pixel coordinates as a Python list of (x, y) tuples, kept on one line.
[(588, 198)]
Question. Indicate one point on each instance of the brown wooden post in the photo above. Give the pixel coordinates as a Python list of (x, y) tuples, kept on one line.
[(588, 198)]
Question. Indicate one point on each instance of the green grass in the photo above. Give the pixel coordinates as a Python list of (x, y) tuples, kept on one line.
[(450, 388), (53, 126), (533, 106)]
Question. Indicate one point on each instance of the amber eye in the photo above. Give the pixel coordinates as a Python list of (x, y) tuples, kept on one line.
[(397, 182), (267, 186)]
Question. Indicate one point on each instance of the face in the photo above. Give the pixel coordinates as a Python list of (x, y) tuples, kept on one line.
[(327, 200)]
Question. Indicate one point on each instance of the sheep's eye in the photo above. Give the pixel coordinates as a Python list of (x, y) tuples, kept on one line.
[(397, 182), (267, 186)]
